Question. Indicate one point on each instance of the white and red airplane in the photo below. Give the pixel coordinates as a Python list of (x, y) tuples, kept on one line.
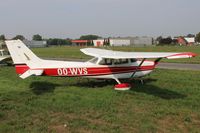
[(4, 56), (106, 64)]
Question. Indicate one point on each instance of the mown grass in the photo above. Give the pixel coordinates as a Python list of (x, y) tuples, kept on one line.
[(74, 52), (167, 102)]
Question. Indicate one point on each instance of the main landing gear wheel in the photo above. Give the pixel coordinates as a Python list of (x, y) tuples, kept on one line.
[(123, 87)]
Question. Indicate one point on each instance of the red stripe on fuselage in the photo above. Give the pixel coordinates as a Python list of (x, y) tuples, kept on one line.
[(90, 71), (94, 71), (20, 69)]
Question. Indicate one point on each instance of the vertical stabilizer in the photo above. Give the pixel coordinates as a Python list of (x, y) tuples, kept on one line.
[(20, 53)]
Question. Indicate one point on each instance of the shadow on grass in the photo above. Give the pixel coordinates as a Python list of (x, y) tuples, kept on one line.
[(147, 87), (98, 84), (156, 91), (40, 87)]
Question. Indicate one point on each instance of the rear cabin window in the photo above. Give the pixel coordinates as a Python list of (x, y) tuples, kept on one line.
[(124, 61), (133, 60)]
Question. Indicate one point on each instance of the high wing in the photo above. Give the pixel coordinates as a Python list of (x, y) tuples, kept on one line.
[(102, 53)]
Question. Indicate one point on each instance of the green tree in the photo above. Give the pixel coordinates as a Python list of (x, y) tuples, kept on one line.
[(190, 35), (68, 41), (164, 41), (89, 37), (57, 41), (2, 37), (20, 37), (197, 38), (158, 39), (37, 37)]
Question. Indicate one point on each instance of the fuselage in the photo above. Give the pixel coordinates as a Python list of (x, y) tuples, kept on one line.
[(128, 69)]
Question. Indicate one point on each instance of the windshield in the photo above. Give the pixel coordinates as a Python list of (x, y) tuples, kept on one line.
[(93, 60)]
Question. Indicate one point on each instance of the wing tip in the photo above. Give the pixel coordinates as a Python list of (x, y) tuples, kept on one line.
[(182, 55)]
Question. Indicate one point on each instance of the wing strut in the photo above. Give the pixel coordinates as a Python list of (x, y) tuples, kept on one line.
[(138, 67), (157, 60)]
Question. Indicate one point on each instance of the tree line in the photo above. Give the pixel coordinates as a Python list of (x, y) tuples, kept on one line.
[(37, 37), (58, 41), (53, 41)]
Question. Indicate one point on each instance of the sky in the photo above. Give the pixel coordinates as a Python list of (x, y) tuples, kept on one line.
[(106, 18)]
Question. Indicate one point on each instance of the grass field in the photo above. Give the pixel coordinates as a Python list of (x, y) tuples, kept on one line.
[(74, 52), (168, 102)]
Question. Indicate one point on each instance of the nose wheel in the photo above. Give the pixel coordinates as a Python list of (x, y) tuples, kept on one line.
[(122, 86)]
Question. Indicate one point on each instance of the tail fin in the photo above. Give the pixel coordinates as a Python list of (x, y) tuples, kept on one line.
[(23, 58), (20, 53)]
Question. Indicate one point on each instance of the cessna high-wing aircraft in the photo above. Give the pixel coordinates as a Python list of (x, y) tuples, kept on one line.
[(106, 64), (4, 55)]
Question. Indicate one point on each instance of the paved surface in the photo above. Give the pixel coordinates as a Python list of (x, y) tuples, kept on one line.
[(179, 66)]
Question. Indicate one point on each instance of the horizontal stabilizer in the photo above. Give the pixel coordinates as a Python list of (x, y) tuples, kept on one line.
[(30, 73)]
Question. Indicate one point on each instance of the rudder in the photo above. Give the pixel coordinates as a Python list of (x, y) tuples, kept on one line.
[(20, 53)]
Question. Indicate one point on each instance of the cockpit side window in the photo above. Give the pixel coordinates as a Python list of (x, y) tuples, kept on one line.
[(117, 61), (106, 62), (109, 61)]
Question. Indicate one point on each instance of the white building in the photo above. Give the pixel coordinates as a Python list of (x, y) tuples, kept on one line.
[(141, 41), (119, 42), (190, 39), (98, 42), (125, 41)]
